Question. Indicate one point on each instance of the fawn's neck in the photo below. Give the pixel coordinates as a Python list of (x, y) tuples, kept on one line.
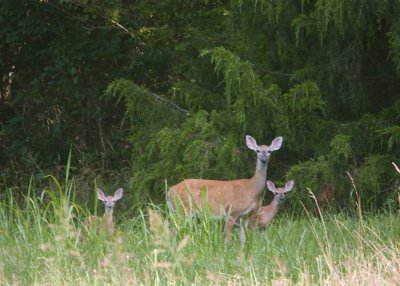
[(275, 204), (108, 212), (273, 207), (108, 217)]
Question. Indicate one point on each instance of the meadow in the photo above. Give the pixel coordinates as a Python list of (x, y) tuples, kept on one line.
[(146, 91), (44, 241)]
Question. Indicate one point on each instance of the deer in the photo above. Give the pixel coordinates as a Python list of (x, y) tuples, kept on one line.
[(230, 200), (106, 223), (263, 216)]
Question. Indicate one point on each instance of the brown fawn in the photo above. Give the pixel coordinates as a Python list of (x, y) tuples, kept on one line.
[(106, 223), (264, 215), (228, 199)]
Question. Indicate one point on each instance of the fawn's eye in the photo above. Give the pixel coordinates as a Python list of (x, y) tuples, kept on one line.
[(258, 151)]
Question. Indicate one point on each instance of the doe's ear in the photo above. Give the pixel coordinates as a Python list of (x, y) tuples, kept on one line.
[(100, 195), (251, 143), (271, 186), (118, 194), (289, 186), (276, 144)]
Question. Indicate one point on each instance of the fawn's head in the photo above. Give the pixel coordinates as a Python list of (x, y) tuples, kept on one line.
[(109, 201), (279, 193), (263, 151)]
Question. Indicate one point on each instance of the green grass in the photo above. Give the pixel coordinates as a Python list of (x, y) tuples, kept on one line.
[(43, 242)]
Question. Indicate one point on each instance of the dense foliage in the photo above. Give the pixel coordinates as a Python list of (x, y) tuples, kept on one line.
[(165, 90)]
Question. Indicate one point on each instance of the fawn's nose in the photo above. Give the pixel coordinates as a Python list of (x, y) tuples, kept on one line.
[(281, 198)]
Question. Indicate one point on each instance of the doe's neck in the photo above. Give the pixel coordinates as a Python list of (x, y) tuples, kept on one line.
[(260, 176)]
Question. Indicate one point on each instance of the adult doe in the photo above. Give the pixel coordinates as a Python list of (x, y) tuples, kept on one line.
[(225, 199)]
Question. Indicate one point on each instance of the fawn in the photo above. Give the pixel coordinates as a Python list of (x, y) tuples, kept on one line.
[(106, 222), (264, 215)]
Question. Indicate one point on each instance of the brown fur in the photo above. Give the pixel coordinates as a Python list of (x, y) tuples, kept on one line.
[(263, 216)]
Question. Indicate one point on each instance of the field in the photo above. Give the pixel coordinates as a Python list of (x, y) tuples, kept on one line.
[(44, 242)]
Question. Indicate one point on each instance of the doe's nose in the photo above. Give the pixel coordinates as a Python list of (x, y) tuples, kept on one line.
[(264, 157)]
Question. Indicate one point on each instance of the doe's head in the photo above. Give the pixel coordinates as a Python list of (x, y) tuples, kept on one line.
[(263, 151), (279, 193)]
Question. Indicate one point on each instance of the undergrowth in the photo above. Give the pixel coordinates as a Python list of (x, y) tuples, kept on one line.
[(45, 241)]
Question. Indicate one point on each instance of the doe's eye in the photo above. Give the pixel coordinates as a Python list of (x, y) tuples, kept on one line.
[(258, 151)]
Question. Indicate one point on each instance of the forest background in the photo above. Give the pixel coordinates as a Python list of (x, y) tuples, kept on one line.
[(146, 93)]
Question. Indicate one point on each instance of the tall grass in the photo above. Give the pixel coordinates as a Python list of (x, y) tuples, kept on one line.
[(44, 242)]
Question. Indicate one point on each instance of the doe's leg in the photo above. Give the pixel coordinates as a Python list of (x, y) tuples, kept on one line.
[(242, 225), (229, 223)]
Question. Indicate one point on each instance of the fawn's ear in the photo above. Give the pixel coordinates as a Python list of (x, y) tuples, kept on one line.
[(100, 195), (289, 186), (251, 143), (118, 194), (276, 144), (271, 186)]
